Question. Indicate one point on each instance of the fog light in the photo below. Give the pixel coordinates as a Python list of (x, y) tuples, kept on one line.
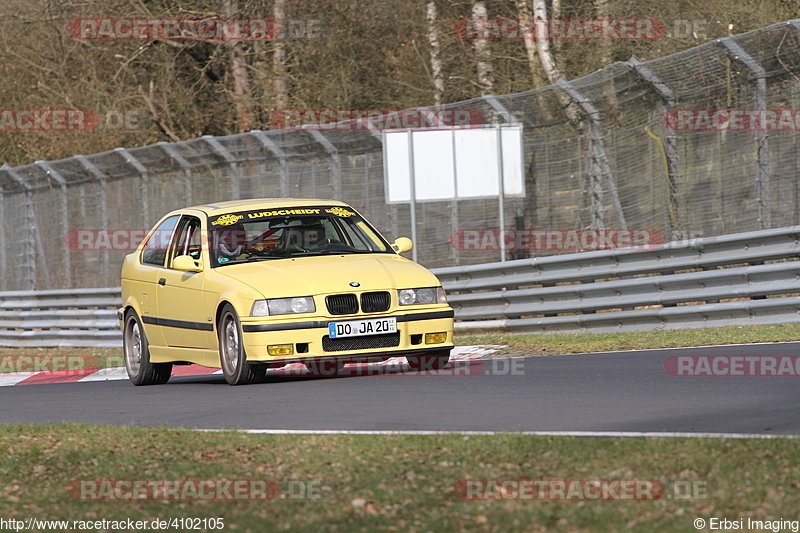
[(435, 338), (280, 349)]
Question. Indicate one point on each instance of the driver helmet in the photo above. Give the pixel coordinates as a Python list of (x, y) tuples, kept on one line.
[(231, 242)]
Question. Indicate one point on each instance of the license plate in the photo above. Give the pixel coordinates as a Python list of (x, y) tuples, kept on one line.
[(357, 328)]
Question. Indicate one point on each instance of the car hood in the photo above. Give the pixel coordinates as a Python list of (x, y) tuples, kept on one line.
[(305, 276)]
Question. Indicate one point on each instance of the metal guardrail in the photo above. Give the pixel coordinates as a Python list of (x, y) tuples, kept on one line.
[(740, 279), (60, 318)]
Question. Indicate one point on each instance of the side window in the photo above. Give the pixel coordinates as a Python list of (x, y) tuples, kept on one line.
[(187, 239), (155, 251)]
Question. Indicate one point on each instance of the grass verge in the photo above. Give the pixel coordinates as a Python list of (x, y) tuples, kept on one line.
[(561, 343), (394, 482)]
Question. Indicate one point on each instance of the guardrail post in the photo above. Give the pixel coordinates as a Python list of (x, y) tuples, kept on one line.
[(273, 147), (336, 178), (27, 270), (64, 212), (3, 254), (220, 150), (669, 144), (145, 179), (185, 166), (738, 53), (500, 111), (101, 180), (600, 167)]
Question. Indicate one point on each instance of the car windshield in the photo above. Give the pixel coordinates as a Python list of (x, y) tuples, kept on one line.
[(291, 232)]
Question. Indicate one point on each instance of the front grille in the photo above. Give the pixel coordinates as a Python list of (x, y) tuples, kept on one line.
[(342, 304), (375, 302), (387, 340)]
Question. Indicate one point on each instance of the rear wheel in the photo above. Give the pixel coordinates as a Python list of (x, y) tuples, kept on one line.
[(137, 355), (428, 361), (233, 360)]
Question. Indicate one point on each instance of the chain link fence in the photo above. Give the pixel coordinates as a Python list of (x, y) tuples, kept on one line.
[(618, 164)]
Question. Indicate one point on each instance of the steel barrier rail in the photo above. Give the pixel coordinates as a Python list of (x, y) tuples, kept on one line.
[(60, 318), (713, 285), (741, 248), (675, 285), (746, 278)]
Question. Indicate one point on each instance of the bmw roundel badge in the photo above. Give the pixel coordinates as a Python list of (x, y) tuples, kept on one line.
[(355, 284)]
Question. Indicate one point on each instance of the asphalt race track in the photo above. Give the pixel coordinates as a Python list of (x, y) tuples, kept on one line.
[(615, 391)]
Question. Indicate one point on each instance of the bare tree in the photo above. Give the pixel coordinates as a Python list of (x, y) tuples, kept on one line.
[(601, 10), (241, 84), (555, 14), (548, 60), (279, 85), (485, 77), (436, 60), (524, 13)]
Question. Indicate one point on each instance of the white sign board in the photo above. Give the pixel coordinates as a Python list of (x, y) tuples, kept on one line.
[(452, 164)]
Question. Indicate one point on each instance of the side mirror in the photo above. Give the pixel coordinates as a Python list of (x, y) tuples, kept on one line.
[(402, 245), (186, 263)]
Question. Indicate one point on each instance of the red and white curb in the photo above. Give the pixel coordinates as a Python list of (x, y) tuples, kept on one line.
[(459, 353)]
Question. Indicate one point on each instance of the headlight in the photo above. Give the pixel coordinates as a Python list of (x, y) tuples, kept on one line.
[(283, 306), (427, 295)]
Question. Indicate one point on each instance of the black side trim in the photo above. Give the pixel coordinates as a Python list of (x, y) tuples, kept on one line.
[(202, 326), (254, 328), (426, 316), (283, 327)]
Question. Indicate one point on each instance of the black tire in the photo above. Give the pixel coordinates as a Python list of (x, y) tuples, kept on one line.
[(232, 357), (137, 355), (428, 361)]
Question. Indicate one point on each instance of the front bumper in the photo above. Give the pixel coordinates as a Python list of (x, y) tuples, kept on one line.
[(309, 338)]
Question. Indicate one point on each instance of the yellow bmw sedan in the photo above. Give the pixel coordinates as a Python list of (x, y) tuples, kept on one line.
[(255, 284)]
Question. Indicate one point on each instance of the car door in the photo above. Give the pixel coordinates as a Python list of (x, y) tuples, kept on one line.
[(144, 280), (182, 314)]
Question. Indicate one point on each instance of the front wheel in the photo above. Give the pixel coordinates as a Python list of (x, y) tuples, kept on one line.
[(428, 362), (137, 355), (233, 360)]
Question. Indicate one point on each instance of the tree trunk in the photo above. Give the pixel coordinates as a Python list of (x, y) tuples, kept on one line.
[(484, 55), (555, 14), (601, 10), (436, 61), (241, 85), (548, 61), (524, 14), (280, 93)]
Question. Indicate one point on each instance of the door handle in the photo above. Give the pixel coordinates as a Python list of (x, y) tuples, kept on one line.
[(162, 281)]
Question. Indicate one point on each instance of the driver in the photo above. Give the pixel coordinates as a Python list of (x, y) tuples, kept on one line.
[(231, 242), (299, 237)]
